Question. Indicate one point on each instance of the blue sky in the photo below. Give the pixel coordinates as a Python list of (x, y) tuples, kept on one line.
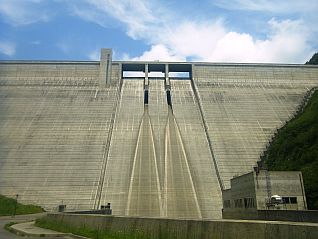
[(209, 30)]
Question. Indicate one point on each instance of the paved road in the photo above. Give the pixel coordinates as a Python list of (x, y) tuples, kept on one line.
[(4, 234)]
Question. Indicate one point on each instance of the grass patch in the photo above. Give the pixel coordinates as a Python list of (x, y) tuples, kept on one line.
[(8, 206), (86, 231), (8, 225), (295, 147)]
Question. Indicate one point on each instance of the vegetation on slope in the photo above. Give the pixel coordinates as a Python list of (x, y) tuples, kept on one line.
[(313, 60), (9, 206), (86, 231), (295, 147)]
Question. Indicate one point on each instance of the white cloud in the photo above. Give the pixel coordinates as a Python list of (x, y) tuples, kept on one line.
[(205, 40), (136, 15), (94, 55), (195, 39), (290, 6), (286, 42), (159, 53), (89, 13), (172, 37), (20, 12), (7, 48)]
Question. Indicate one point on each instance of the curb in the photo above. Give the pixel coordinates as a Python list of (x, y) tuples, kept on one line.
[(60, 234), (23, 233), (77, 236)]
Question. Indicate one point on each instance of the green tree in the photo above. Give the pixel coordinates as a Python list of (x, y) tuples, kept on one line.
[(313, 60), (295, 147)]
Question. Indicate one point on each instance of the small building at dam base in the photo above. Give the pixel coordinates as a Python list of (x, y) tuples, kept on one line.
[(263, 190)]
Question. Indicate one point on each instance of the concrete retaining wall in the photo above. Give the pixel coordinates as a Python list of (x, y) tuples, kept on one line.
[(240, 214), (192, 229), (273, 215), (288, 215)]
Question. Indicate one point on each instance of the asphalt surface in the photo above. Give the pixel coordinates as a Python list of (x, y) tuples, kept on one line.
[(4, 234)]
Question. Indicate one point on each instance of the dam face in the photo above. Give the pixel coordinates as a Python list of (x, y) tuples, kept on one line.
[(85, 134)]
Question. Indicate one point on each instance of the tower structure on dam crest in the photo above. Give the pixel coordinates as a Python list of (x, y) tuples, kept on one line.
[(157, 139)]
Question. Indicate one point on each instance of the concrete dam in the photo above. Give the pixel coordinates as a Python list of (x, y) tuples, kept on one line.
[(154, 139)]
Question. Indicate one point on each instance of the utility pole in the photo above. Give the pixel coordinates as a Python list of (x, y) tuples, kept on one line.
[(15, 205)]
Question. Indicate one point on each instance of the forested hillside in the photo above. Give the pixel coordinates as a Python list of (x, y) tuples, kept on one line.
[(313, 60), (295, 147)]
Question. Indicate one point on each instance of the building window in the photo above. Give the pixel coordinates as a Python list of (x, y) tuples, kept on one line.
[(249, 203), (238, 203), (227, 203), (290, 200), (293, 200)]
